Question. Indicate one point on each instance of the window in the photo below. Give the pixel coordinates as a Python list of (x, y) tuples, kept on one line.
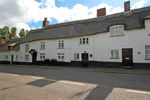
[(147, 52), (116, 30), (61, 44), (114, 53), (42, 56), (84, 40), (42, 45), (61, 56), (26, 57), (16, 57), (76, 56), (6, 57), (26, 47)]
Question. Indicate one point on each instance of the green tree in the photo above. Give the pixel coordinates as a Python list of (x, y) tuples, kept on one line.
[(27, 32), (22, 33), (5, 33), (13, 31)]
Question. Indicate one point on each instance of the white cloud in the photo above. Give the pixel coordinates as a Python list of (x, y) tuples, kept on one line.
[(17, 13), (139, 4), (33, 28), (61, 0)]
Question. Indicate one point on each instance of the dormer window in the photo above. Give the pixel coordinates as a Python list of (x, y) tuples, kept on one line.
[(116, 30)]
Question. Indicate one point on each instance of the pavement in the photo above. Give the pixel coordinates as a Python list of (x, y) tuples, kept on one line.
[(26, 83), (92, 69)]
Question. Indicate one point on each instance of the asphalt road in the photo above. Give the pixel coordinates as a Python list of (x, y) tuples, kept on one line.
[(51, 84)]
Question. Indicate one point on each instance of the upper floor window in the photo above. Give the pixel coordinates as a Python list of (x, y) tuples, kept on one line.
[(147, 52), (61, 44), (117, 30), (26, 47), (84, 40), (42, 45), (76, 56)]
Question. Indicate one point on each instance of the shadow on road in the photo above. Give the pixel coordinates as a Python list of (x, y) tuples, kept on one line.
[(107, 81)]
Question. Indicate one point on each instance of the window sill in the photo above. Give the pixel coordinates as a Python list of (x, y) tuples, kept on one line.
[(42, 49), (116, 35), (60, 48), (114, 58), (84, 44)]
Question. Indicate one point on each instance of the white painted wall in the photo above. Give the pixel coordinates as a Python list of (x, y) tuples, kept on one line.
[(100, 46)]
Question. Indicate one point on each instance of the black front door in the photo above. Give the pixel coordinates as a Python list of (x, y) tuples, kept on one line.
[(12, 57), (34, 55), (127, 58), (85, 59)]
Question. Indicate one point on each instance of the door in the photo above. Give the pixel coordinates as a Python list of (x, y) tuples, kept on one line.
[(85, 59), (34, 55), (127, 58), (12, 57)]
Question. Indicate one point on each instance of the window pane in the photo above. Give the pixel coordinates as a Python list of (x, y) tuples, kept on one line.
[(147, 47), (116, 53), (112, 53), (80, 41), (77, 55), (83, 40), (87, 40), (116, 30), (59, 45), (111, 31), (62, 45), (121, 30)]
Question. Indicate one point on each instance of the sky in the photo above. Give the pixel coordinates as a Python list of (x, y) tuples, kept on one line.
[(29, 14)]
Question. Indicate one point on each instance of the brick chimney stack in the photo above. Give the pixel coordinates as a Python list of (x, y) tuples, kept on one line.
[(12, 36), (127, 6), (2, 41), (45, 22), (101, 12)]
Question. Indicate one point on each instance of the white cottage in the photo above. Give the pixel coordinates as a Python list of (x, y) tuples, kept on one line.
[(120, 39)]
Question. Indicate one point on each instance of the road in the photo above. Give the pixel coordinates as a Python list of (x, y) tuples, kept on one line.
[(20, 83)]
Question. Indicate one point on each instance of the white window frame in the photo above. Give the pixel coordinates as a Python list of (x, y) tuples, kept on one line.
[(115, 53), (76, 56), (6, 57), (61, 44), (147, 51), (116, 30), (16, 57), (84, 41), (26, 57), (42, 45), (61, 56), (26, 47), (42, 56)]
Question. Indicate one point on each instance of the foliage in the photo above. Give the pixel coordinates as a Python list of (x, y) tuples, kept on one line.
[(5, 33), (13, 31), (23, 33)]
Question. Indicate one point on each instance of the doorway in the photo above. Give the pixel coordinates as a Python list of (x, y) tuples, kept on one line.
[(127, 57), (85, 59)]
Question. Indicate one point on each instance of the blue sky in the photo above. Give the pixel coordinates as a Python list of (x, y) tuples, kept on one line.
[(89, 3), (29, 14)]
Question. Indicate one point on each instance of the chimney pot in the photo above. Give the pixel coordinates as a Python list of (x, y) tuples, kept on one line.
[(127, 6), (101, 12)]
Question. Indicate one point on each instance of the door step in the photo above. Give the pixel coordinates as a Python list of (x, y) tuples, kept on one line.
[(128, 67)]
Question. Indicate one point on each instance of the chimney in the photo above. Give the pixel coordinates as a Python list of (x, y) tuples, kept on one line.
[(45, 22), (12, 36), (2, 41), (101, 12), (127, 6)]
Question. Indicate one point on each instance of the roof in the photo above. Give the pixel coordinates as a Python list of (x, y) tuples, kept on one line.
[(133, 19), (14, 43)]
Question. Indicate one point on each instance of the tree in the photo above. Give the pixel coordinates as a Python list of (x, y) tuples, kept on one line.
[(27, 32), (5, 33), (22, 33), (13, 31)]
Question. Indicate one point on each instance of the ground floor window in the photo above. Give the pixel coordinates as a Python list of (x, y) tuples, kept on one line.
[(147, 52), (61, 56), (76, 56), (42, 56), (6, 57), (16, 57), (26, 57), (114, 53)]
